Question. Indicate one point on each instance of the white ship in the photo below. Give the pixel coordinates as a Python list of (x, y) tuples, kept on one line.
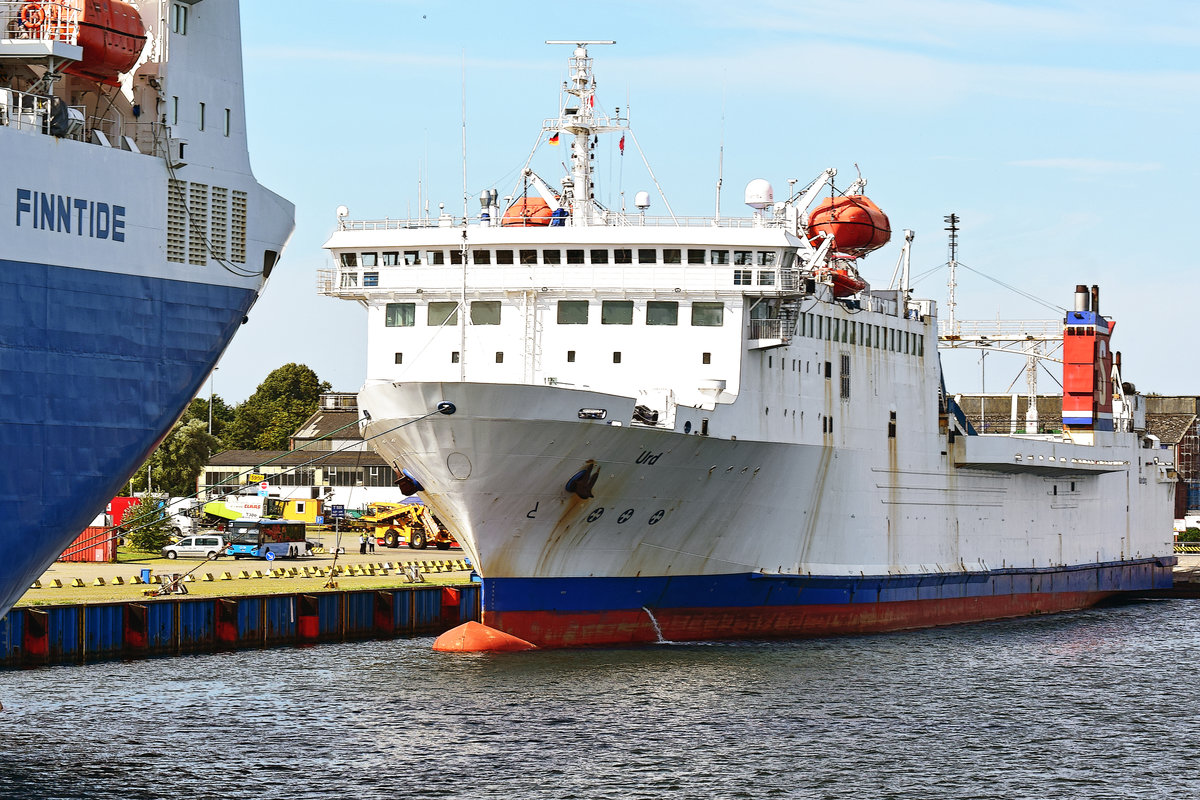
[(648, 427), (135, 240)]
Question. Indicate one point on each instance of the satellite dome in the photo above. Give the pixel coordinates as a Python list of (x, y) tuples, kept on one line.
[(759, 194)]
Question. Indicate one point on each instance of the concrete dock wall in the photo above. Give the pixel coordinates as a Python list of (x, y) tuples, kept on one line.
[(40, 635)]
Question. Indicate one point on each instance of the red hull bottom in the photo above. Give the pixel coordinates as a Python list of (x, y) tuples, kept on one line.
[(574, 629)]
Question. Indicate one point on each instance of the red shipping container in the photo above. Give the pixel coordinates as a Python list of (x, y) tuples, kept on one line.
[(95, 544)]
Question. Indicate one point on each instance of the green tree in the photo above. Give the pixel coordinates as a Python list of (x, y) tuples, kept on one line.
[(284, 400), (146, 525), (221, 417), (177, 463)]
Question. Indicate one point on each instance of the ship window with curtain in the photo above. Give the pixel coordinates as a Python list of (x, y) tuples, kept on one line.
[(412, 257), (599, 256), (672, 256), (485, 312), (528, 257), (695, 256), (504, 256), (708, 315), (400, 315), (662, 312), (743, 277), (647, 256), (551, 256), (766, 258), (574, 256), (391, 258), (435, 257), (616, 312), (622, 255), (572, 312), (742, 258), (720, 257), (443, 313), (481, 256)]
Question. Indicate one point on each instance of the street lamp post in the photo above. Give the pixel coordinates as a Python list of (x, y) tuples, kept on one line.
[(211, 376)]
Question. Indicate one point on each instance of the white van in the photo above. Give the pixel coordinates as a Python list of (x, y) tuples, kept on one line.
[(205, 545)]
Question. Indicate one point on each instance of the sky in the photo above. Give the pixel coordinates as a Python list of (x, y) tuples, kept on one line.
[(1063, 135)]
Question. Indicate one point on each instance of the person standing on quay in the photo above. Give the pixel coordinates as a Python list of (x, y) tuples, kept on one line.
[(362, 544)]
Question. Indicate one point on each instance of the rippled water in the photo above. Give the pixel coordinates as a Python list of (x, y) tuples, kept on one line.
[(1097, 704)]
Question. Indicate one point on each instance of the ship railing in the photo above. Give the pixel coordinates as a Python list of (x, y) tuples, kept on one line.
[(1016, 328), (22, 21), (150, 138), (612, 219), (778, 328)]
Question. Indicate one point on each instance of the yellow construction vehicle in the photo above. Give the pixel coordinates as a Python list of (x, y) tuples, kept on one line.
[(411, 523)]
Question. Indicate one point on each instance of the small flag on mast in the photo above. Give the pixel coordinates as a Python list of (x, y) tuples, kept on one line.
[(621, 144), (554, 139)]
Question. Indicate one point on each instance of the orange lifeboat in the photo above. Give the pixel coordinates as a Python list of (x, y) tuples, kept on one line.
[(112, 36), (846, 283), (527, 211), (854, 221)]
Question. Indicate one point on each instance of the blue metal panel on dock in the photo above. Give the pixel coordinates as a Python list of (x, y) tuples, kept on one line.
[(196, 629), (10, 637), (359, 613), (63, 632), (104, 631), (249, 621), (402, 611), (279, 614), (427, 610), (468, 607), (160, 627)]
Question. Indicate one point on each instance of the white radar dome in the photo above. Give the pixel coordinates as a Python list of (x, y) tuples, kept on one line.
[(642, 200), (343, 212), (759, 194)]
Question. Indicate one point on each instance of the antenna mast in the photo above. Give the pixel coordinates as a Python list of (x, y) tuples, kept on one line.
[(952, 222)]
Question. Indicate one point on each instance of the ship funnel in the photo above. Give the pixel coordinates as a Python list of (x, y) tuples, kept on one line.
[(1095, 299), (1081, 297)]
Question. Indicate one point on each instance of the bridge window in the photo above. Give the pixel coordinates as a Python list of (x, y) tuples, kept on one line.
[(574, 256), (572, 312), (443, 314), (412, 257), (766, 258), (599, 256), (551, 256), (504, 256), (616, 312), (481, 256), (719, 257), (766, 277), (708, 315), (695, 256), (370, 259), (391, 259), (743, 277), (370, 279), (528, 257), (742, 257), (435, 257), (661, 312), (622, 255), (485, 312), (649, 256), (349, 259)]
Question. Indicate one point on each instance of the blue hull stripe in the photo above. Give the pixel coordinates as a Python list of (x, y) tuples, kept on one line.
[(752, 590), (94, 368)]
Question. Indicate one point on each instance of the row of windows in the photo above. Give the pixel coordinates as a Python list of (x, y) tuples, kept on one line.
[(647, 255), (306, 476), (848, 331), (705, 358), (569, 312)]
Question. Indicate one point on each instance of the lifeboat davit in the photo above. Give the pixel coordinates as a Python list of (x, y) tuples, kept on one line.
[(846, 283), (112, 36), (854, 221), (527, 211)]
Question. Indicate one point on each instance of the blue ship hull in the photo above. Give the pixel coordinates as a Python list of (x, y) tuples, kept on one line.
[(95, 367)]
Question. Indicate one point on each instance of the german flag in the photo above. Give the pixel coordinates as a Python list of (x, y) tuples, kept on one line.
[(554, 139)]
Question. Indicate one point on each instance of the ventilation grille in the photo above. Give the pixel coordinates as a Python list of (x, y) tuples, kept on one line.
[(237, 240), (176, 221), (219, 223), (198, 227)]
